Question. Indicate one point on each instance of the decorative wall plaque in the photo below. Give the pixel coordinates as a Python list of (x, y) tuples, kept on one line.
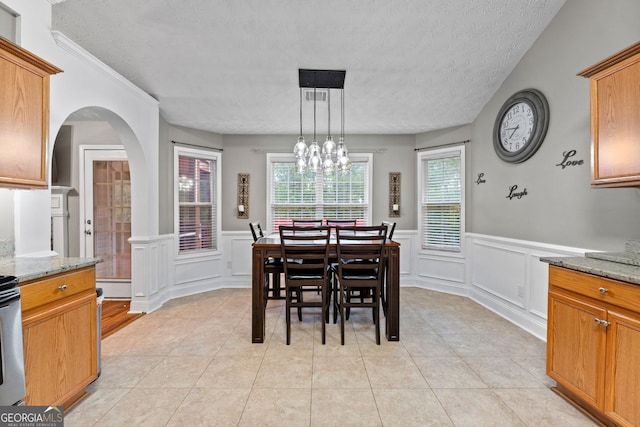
[(394, 194), (566, 156), (514, 193), (243, 195)]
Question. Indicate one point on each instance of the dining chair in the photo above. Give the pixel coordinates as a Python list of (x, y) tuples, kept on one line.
[(272, 267), (360, 270), (333, 223), (305, 251), (306, 222), (391, 226)]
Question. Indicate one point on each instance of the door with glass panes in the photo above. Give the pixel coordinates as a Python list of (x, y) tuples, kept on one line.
[(107, 219)]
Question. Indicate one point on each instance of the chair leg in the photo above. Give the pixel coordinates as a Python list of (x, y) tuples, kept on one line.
[(325, 314), (299, 297), (275, 289), (377, 315), (342, 315), (288, 314), (336, 302)]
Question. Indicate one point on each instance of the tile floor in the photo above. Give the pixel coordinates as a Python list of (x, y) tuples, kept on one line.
[(192, 363)]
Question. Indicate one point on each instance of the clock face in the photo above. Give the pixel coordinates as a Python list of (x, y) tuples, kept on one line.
[(521, 125), (516, 127)]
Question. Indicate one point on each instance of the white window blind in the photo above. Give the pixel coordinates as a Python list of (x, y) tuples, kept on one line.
[(442, 200), (197, 202), (295, 195)]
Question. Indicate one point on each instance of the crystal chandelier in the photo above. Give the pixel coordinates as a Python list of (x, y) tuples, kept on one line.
[(311, 157)]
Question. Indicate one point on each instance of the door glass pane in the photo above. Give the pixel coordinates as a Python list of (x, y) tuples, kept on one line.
[(112, 216)]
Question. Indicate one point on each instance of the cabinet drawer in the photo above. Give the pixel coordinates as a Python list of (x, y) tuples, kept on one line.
[(606, 290), (57, 287)]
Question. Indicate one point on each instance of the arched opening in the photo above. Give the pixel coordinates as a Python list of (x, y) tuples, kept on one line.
[(92, 202)]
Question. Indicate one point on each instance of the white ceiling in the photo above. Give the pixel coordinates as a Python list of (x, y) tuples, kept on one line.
[(231, 67)]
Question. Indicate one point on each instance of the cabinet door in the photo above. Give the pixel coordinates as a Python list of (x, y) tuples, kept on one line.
[(616, 123), (623, 368), (60, 350), (576, 347)]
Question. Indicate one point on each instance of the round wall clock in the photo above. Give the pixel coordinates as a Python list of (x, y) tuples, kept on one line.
[(521, 126)]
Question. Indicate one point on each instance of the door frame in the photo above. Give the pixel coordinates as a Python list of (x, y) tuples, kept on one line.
[(112, 288)]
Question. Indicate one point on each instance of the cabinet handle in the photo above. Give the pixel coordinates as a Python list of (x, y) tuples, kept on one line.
[(62, 287), (601, 322), (603, 290)]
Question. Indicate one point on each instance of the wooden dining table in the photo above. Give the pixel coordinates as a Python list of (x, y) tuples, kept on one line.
[(269, 247)]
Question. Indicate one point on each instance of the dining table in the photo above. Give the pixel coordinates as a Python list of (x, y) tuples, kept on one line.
[(269, 247)]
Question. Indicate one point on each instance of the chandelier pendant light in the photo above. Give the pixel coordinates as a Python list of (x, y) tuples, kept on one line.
[(311, 157)]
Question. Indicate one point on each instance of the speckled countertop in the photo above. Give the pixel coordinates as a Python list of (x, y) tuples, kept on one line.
[(27, 268), (599, 266)]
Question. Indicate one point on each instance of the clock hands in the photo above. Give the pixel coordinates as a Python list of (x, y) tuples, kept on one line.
[(514, 130)]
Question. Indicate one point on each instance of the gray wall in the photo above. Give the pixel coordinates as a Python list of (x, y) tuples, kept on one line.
[(169, 133), (242, 154), (561, 207), (71, 135)]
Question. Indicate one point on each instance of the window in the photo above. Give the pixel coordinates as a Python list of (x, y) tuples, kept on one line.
[(197, 174), (442, 198), (315, 195)]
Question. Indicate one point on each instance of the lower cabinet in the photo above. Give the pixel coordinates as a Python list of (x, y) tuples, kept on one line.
[(593, 344), (60, 341)]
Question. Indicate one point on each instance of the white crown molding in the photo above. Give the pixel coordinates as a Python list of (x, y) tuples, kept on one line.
[(76, 50), (56, 1)]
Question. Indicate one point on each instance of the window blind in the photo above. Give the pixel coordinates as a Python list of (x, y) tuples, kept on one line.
[(441, 202), (197, 210), (316, 195)]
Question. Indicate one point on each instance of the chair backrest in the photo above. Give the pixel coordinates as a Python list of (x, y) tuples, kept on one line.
[(333, 223), (305, 251), (306, 222), (256, 230), (391, 226), (360, 251)]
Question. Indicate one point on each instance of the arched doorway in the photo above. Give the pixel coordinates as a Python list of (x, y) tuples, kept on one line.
[(91, 169)]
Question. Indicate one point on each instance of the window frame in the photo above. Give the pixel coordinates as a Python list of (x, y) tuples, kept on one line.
[(436, 153), (216, 202), (273, 158)]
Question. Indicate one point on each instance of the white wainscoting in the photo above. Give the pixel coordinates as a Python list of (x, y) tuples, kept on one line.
[(152, 272), (507, 276), (504, 275)]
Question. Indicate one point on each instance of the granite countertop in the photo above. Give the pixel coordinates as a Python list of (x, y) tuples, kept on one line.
[(598, 267), (27, 268)]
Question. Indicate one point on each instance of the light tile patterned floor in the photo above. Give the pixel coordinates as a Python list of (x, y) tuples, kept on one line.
[(192, 363)]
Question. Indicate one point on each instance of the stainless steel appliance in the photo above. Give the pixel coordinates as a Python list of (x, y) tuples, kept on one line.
[(12, 383)]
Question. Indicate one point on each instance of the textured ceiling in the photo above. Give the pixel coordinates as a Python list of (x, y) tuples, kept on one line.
[(231, 67)]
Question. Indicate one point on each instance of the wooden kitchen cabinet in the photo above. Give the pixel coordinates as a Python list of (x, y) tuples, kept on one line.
[(615, 119), (24, 116), (593, 341), (60, 337)]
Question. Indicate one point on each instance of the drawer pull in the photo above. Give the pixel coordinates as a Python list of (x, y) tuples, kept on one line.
[(602, 322), (62, 287), (603, 290)]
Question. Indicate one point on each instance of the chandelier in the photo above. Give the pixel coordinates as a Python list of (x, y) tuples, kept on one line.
[(311, 157)]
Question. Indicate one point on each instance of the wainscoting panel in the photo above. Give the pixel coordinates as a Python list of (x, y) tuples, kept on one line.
[(406, 240), (240, 262), (507, 276), (441, 273), (151, 271), (499, 270)]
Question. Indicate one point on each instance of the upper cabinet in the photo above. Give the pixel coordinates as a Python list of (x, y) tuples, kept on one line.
[(24, 116), (615, 119)]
